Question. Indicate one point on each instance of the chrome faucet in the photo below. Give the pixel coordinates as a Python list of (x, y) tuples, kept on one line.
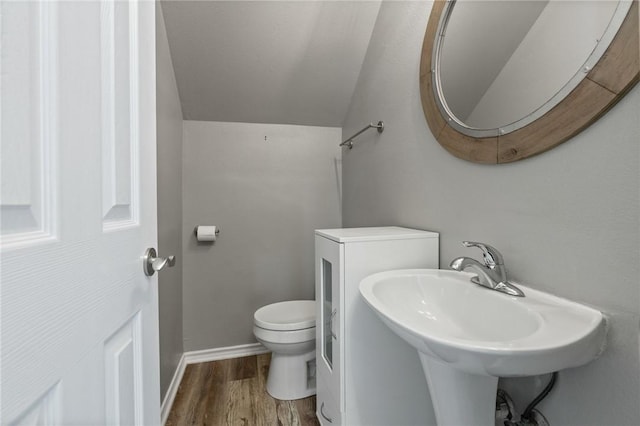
[(492, 274)]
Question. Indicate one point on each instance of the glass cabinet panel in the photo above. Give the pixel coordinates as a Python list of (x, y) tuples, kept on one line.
[(327, 313)]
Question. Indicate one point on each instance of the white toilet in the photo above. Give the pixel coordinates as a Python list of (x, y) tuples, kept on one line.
[(288, 330)]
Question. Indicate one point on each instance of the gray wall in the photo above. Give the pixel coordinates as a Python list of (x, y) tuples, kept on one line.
[(293, 62), (567, 220), (169, 126), (518, 89), (474, 53), (267, 196)]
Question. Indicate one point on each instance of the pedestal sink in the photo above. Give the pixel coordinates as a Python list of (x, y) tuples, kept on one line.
[(468, 336)]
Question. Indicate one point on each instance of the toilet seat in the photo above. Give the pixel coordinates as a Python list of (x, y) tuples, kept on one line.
[(287, 337), (286, 316)]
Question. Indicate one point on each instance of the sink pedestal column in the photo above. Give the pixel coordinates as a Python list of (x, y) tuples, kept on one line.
[(460, 398)]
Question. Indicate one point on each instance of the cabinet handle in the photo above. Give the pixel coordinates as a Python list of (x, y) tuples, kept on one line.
[(333, 315), (329, 419)]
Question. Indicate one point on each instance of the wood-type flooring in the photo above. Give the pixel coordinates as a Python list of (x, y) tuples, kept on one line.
[(232, 392)]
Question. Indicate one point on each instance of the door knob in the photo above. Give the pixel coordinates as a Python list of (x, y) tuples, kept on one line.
[(152, 263)]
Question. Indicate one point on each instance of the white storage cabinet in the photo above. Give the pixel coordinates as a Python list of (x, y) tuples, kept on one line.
[(366, 375)]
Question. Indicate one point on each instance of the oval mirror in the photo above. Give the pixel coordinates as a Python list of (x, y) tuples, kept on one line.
[(503, 80)]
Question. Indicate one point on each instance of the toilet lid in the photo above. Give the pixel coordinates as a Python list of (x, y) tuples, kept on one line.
[(289, 315)]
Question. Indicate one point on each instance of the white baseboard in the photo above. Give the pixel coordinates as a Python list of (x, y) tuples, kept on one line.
[(215, 354), (170, 396), (206, 355)]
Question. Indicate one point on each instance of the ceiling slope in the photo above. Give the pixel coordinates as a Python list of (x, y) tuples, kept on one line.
[(284, 62)]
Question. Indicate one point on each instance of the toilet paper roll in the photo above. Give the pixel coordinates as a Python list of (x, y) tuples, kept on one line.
[(207, 232)]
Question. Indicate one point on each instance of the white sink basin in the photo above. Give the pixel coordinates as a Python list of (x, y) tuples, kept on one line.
[(482, 331), (468, 335)]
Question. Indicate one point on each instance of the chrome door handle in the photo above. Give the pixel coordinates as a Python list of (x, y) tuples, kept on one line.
[(152, 263), (333, 315), (329, 419)]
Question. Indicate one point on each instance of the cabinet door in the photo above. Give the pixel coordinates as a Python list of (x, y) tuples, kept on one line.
[(327, 409), (329, 327)]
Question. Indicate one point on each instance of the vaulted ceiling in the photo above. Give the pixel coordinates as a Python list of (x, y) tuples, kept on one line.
[(284, 62)]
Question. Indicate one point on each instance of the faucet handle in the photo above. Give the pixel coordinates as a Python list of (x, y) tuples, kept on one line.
[(491, 255)]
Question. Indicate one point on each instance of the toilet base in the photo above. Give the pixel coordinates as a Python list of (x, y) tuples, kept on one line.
[(292, 376)]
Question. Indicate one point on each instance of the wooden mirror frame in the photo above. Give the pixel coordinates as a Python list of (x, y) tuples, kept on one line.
[(613, 76)]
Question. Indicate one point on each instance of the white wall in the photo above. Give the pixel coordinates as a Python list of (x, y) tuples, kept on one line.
[(169, 161), (567, 221), (267, 187)]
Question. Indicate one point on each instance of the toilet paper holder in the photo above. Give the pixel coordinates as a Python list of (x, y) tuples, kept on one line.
[(195, 231)]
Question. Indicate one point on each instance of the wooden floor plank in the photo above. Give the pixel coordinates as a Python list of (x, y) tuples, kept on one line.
[(240, 404), (265, 404), (197, 415), (263, 361), (286, 413), (222, 371), (233, 393), (185, 395), (217, 394), (244, 368), (306, 409)]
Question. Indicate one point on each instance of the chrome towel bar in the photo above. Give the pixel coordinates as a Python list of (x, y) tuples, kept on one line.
[(349, 142)]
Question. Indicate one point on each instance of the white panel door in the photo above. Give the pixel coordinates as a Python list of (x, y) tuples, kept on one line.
[(79, 336)]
